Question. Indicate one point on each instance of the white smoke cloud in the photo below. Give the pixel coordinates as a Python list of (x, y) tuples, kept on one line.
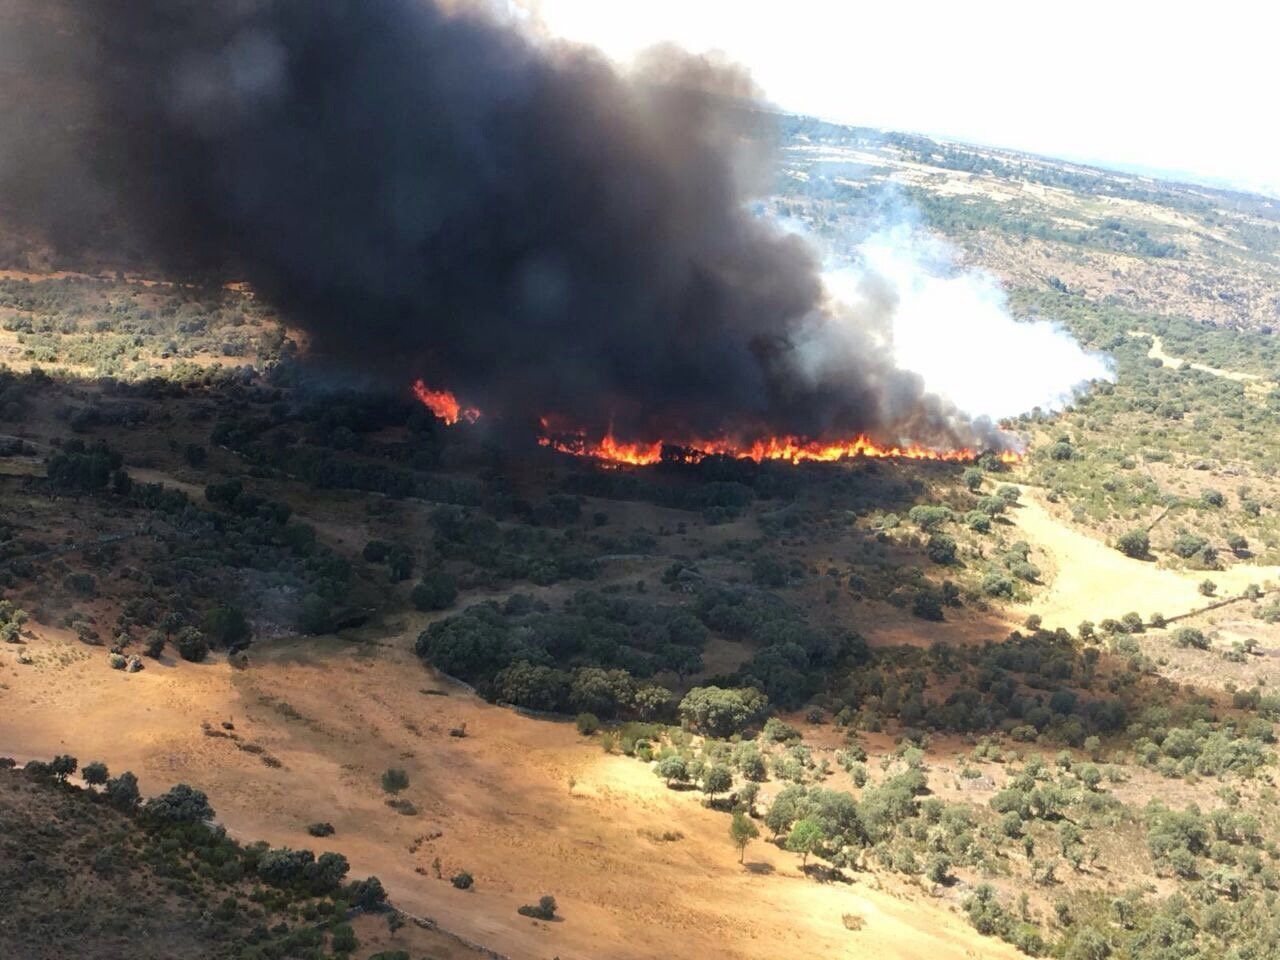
[(952, 325)]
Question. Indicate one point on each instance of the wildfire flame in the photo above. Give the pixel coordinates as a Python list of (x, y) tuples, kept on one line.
[(611, 451), (444, 404)]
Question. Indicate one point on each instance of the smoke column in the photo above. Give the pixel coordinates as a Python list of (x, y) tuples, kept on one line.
[(952, 325), (432, 193)]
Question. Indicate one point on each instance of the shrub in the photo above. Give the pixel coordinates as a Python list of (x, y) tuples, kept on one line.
[(1187, 545), (322, 829), (587, 724), (673, 769), (1190, 637), (181, 804), (927, 605), (996, 584), (544, 909), (1025, 570), (978, 521), (367, 894), (394, 780), (463, 880), (1208, 588), (95, 773), (1134, 543), (228, 627), (777, 730), (941, 549), (929, 517), (938, 869), (122, 791), (191, 644), (344, 938), (992, 506), (436, 591), (315, 615)]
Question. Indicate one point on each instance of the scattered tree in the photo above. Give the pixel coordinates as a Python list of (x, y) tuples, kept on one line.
[(742, 831)]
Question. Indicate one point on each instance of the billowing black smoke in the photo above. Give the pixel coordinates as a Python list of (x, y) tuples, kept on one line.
[(434, 194)]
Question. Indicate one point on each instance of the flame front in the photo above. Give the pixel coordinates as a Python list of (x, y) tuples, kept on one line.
[(444, 404), (611, 451), (794, 449)]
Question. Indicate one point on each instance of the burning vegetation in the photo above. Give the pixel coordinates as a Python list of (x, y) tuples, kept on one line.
[(444, 404), (555, 434), (524, 219)]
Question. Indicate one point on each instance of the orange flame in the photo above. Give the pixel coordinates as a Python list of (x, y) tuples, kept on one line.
[(610, 450), (444, 404)]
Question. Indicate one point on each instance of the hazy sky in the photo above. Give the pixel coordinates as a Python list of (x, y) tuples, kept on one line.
[(1180, 87)]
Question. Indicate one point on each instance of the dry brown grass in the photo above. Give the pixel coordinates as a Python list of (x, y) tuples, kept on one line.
[(493, 803)]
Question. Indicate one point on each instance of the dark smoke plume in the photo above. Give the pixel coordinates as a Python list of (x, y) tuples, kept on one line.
[(432, 193)]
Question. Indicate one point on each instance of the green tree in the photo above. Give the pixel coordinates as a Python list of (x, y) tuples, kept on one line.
[(227, 627), (122, 791), (191, 644), (938, 869), (941, 549), (673, 769), (63, 766), (805, 838), (153, 645), (717, 779), (722, 712), (929, 517), (742, 831), (180, 804)]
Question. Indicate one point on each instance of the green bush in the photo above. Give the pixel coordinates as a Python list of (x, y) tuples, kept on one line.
[(394, 780), (1191, 637), (1134, 543), (436, 591), (544, 909)]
